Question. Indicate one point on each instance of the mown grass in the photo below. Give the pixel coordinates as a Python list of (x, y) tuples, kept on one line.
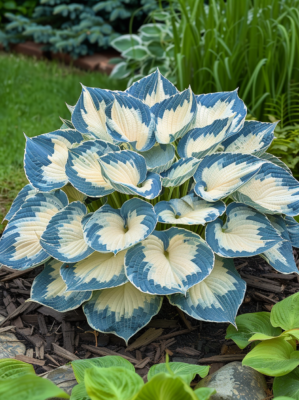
[(32, 98)]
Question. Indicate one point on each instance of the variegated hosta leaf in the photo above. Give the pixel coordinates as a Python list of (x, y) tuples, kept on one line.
[(126, 171), (123, 310), (200, 142), (70, 108), (20, 246), (293, 230), (275, 160), (152, 89), (280, 256), (272, 190), (179, 172), (89, 113), (219, 175), (49, 289), (129, 120), (83, 168), (24, 194), (73, 194), (66, 124), (46, 156), (169, 262), (254, 138), (110, 230), (213, 106), (217, 298), (63, 238), (174, 116), (98, 271), (159, 158), (245, 233), (189, 210)]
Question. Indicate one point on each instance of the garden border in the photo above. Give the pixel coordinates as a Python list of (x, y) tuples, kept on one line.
[(96, 62)]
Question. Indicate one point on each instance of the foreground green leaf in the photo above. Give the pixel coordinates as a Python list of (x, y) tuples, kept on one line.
[(287, 385), (285, 314), (113, 383), (79, 366), (10, 368), (283, 398), (166, 387), (30, 387), (186, 371), (250, 324), (290, 335), (275, 357), (204, 393), (79, 392)]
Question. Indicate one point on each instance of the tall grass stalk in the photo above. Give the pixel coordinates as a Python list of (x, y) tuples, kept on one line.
[(253, 45)]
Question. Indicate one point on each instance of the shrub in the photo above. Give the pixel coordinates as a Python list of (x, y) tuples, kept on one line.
[(77, 28), (274, 337), (122, 196), (24, 7), (106, 378)]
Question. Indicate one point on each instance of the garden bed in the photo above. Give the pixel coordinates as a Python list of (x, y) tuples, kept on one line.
[(96, 62), (52, 339)]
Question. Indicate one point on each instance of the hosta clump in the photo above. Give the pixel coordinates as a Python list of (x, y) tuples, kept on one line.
[(146, 193)]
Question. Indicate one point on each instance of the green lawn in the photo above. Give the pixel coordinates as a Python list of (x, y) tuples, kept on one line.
[(32, 98)]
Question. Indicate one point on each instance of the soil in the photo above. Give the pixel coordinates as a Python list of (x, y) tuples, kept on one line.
[(52, 339)]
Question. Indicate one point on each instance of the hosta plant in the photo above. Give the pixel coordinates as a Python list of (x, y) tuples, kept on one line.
[(148, 193)]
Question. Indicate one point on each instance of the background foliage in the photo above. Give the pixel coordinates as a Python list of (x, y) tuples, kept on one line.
[(78, 28), (24, 7), (250, 45)]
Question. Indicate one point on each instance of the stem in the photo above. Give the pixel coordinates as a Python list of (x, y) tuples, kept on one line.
[(184, 188), (116, 199), (170, 193)]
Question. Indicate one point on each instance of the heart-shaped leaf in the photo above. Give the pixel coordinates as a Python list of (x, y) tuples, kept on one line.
[(112, 383), (186, 371), (80, 366), (10, 368), (166, 387), (275, 357), (285, 314), (30, 387), (152, 89), (287, 385), (250, 324)]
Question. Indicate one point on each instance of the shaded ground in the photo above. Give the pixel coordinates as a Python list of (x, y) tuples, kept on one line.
[(52, 339)]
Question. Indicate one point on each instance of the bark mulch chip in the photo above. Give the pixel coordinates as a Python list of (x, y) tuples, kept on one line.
[(52, 339)]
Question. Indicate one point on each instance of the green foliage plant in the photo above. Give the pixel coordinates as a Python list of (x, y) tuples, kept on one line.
[(274, 337), (18, 381), (106, 378), (248, 44), (285, 110)]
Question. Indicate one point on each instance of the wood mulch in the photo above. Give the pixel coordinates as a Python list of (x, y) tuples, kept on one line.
[(52, 339)]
